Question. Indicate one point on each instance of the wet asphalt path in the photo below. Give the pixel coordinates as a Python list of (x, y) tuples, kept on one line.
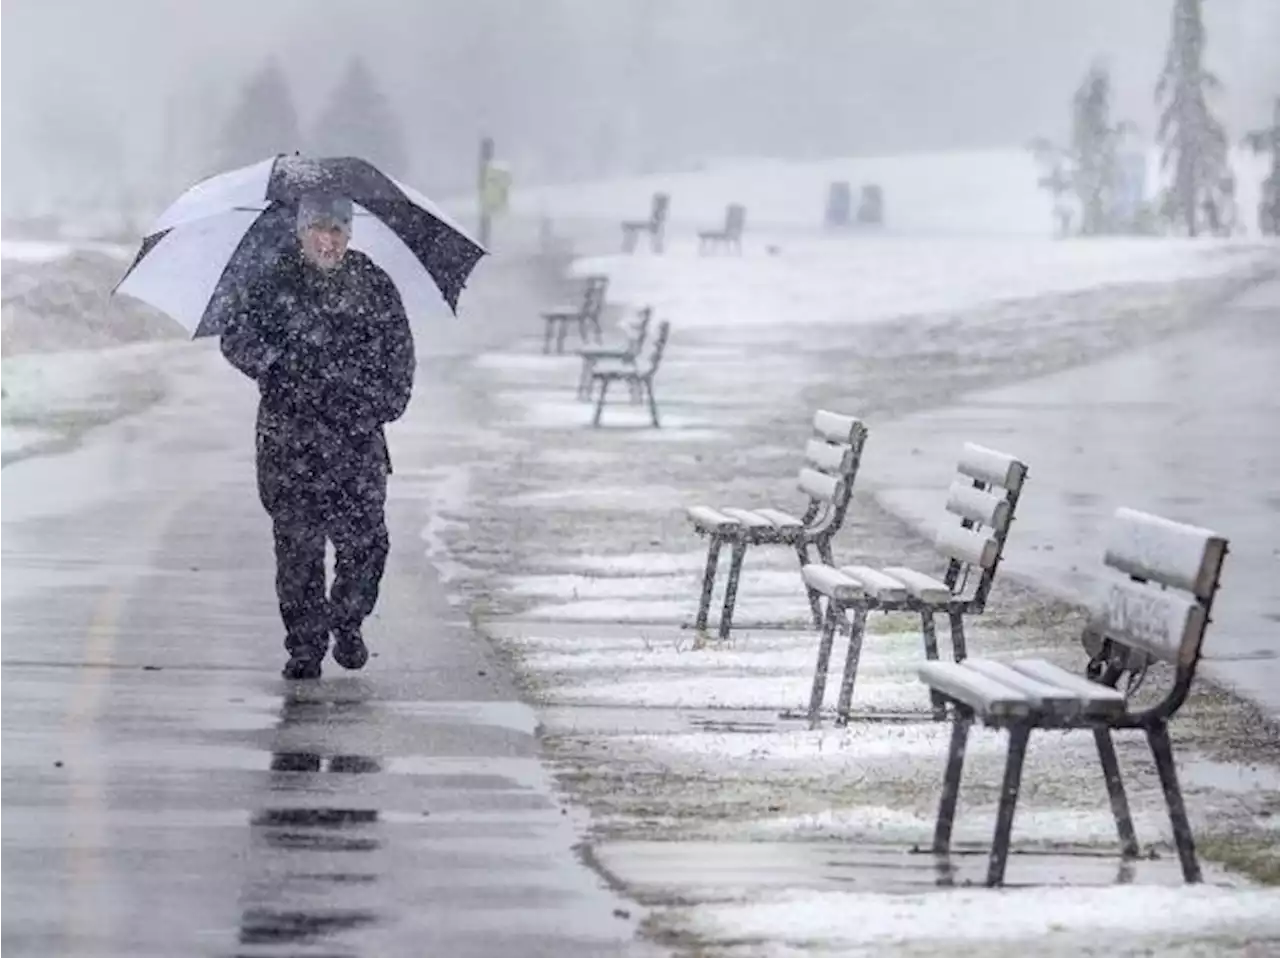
[(165, 792)]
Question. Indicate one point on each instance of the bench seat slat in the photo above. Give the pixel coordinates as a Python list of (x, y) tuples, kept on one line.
[(746, 517), (876, 584), (923, 587), (831, 582), (1099, 699), (983, 694), (710, 520), (782, 521), (1045, 695)]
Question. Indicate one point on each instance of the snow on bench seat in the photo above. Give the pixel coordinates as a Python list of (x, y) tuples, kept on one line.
[(983, 694), (706, 518), (920, 586), (1019, 688), (831, 582), (881, 587)]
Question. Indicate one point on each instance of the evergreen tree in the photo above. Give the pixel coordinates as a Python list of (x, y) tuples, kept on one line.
[(1267, 140), (1094, 143), (359, 121), (1200, 195), (263, 122)]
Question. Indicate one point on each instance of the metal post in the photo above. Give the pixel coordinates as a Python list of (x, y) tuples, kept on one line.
[(486, 158)]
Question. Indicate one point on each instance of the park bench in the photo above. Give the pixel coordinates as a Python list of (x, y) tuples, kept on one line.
[(585, 314), (831, 461), (730, 236), (655, 225), (984, 498), (635, 329), (637, 375), (1154, 605)]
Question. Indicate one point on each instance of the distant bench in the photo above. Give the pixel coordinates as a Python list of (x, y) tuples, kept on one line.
[(585, 315)]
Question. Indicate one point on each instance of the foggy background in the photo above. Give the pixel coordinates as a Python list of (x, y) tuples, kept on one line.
[(123, 103)]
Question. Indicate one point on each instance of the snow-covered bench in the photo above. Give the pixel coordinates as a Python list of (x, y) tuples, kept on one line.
[(730, 235), (831, 463), (984, 499), (587, 313), (635, 329), (655, 225), (637, 375), (1154, 605)]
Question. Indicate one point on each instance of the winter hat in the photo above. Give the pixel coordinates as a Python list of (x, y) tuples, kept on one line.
[(324, 209)]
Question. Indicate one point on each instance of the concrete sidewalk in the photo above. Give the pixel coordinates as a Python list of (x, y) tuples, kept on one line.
[(165, 792)]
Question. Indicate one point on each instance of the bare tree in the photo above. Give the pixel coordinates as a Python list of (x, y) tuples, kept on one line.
[(358, 121), (1201, 194), (263, 122), (1094, 145)]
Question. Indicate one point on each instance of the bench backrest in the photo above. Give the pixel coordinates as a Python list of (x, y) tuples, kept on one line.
[(984, 498), (735, 219), (658, 212), (593, 295), (1161, 605), (637, 330), (831, 460), (653, 355)]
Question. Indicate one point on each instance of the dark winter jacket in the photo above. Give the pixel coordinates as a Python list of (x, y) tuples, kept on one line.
[(333, 358)]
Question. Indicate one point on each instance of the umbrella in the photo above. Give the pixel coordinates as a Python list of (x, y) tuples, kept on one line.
[(226, 230)]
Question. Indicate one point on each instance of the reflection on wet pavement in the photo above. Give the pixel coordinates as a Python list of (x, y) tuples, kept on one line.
[(302, 831)]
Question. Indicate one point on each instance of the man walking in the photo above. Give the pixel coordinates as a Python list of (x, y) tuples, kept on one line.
[(325, 336)]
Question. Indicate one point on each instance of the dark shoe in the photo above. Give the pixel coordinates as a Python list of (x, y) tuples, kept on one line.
[(301, 666), (349, 649)]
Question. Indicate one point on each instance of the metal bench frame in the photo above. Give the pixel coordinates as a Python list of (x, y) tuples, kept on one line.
[(636, 330), (655, 225), (585, 315), (972, 543), (1160, 613), (834, 454), (638, 377), (730, 236)]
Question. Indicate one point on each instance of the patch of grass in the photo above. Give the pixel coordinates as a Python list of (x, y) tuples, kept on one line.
[(1257, 858)]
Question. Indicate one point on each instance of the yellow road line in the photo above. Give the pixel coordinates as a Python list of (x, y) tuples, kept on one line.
[(86, 808)]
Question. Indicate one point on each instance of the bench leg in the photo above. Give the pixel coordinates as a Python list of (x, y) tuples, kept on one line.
[(834, 611), (815, 600), (604, 391), (546, 338), (851, 658), (1162, 750), (708, 581), (628, 240), (929, 630), (951, 784), (584, 381), (958, 648), (1018, 736), (1115, 790), (562, 329), (653, 405), (731, 587)]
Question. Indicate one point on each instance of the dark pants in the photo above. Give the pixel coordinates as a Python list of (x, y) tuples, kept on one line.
[(308, 508)]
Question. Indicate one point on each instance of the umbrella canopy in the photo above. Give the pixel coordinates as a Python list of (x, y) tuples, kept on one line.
[(223, 232)]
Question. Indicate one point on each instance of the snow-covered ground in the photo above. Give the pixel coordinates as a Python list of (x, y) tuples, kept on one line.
[(795, 842), (972, 193)]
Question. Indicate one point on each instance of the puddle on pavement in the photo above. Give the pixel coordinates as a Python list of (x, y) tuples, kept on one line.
[(660, 872)]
